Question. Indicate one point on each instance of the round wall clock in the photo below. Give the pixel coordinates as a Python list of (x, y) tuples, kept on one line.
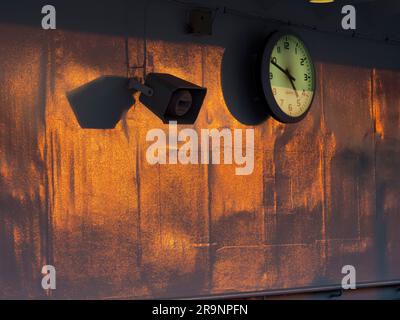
[(287, 77)]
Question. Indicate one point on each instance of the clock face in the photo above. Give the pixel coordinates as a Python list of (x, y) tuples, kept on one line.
[(288, 77)]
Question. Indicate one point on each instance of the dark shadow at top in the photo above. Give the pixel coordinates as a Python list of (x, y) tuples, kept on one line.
[(167, 20)]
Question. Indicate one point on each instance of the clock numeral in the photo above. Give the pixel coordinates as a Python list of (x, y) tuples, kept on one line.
[(282, 101), (298, 102), (302, 61), (290, 108), (286, 45), (271, 76), (278, 49), (306, 77)]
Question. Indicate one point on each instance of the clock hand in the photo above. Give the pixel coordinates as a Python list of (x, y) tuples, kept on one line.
[(287, 73), (283, 70), (294, 87), (290, 75), (292, 82)]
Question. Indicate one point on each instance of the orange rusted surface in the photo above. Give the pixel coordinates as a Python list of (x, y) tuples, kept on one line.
[(323, 193)]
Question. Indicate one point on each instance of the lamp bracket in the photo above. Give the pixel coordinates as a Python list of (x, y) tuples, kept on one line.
[(135, 84)]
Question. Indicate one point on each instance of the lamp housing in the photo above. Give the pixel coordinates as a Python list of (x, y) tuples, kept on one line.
[(172, 98)]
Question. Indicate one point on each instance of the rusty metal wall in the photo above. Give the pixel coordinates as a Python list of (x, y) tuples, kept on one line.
[(324, 192)]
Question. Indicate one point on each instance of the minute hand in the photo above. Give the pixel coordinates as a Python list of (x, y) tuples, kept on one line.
[(283, 70)]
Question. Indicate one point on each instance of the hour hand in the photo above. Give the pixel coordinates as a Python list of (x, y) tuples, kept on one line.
[(294, 87), (292, 80)]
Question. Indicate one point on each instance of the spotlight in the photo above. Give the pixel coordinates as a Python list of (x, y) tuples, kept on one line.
[(170, 98), (180, 104)]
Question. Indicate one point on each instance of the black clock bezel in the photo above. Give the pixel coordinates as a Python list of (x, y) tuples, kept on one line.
[(274, 109)]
